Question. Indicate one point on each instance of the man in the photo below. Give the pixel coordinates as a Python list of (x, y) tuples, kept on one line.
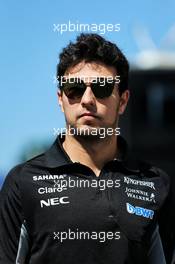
[(85, 200)]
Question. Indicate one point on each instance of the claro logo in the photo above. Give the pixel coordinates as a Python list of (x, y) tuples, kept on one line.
[(54, 201)]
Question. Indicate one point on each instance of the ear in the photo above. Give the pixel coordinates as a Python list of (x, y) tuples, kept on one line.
[(60, 100), (123, 101)]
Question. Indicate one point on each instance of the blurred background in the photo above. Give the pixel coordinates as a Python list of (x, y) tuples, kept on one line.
[(30, 44)]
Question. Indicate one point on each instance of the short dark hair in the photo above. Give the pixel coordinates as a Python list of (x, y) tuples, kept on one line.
[(93, 47)]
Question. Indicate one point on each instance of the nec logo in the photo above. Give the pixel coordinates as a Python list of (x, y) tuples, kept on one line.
[(139, 211), (54, 201)]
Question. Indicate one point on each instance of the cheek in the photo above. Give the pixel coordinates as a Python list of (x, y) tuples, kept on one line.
[(112, 106), (112, 109), (112, 113), (69, 111)]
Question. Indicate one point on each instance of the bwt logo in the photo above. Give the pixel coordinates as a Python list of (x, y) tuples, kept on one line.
[(139, 211)]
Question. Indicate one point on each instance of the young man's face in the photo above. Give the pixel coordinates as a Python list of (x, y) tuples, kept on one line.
[(89, 112)]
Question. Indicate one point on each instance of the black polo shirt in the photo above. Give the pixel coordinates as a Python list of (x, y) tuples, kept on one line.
[(56, 211)]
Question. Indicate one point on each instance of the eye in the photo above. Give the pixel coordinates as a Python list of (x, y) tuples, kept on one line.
[(74, 92)]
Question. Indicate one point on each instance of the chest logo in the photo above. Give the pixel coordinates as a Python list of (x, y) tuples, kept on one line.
[(140, 211), (149, 184)]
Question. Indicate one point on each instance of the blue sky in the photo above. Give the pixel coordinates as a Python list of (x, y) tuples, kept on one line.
[(29, 54)]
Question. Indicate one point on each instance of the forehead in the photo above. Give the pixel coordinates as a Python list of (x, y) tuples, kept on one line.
[(90, 69)]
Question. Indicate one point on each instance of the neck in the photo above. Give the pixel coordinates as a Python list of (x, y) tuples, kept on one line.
[(91, 152)]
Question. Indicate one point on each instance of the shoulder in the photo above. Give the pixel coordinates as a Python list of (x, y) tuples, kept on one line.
[(149, 176), (13, 177), (152, 171), (158, 176)]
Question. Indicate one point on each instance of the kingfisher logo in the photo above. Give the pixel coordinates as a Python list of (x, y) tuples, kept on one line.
[(140, 211)]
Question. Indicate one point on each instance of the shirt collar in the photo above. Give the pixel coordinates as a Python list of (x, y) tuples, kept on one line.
[(56, 156)]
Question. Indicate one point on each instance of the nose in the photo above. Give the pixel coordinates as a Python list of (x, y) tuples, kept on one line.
[(88, 97)]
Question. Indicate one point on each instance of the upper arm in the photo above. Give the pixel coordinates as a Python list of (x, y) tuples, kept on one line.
[(156, 253), (11, 217)]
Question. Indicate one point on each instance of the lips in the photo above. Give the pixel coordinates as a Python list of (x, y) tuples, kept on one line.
[(88, 114)]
